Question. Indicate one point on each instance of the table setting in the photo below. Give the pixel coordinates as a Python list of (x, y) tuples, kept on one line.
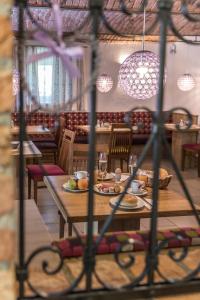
[(112, 184)]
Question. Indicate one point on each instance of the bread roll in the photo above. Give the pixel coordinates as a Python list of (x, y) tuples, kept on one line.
[(130, 199), (163, 173)]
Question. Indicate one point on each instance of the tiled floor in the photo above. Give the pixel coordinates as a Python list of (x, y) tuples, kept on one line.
[(50, 216)]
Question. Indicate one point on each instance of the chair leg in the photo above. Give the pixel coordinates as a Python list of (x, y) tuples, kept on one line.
[(109, 164), (121, 164), (35, 190), (29, 186), (183, 160), (55, 157), (198, 163)]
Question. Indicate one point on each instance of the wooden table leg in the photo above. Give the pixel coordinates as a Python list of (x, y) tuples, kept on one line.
[(61, 226), (121, 225)]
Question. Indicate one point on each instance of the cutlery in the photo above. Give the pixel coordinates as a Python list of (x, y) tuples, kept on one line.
[(147, 202)]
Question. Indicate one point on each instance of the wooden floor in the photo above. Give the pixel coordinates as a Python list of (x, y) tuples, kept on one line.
[(50, 216)]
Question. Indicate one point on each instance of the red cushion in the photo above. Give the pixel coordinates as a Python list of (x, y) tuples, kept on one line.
[(38, 171), (192, 146), (130, 241)]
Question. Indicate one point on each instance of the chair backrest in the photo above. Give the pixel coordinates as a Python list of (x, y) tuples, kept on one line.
[(120, 139), (66, 150), (60, 131)]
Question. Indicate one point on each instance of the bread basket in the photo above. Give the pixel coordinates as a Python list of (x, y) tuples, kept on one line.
[(162, 182)]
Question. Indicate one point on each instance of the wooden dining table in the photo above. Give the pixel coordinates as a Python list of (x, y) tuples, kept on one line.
[(102, 136), (73, 207), (31, 130), (179, 138), (30, 150)]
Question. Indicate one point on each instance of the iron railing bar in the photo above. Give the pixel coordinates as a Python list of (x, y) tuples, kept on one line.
[(89, 259), (182, 183), (158, 126), (21, 270), (109, 219)]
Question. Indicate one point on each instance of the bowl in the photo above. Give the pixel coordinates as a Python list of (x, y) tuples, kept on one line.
[(162, 182)]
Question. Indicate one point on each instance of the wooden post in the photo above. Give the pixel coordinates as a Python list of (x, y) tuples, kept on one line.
[(7, 220)]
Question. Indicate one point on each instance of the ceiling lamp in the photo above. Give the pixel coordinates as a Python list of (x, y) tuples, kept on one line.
[(139, 74), (15, 82), (104, 83), (186, 82)]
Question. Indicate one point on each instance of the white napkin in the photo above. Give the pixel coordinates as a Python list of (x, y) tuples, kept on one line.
[(123, 177)]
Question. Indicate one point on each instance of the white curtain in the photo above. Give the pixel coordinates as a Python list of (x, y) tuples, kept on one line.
[(50, 83)]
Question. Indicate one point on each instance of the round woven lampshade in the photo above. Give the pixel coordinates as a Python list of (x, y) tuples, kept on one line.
[(104, 83), (139, 74), (186, 82)]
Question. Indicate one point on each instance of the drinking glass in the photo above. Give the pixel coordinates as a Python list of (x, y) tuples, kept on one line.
[(132, 163), (103, 161)]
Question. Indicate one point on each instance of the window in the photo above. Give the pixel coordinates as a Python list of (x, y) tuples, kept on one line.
[(47, 79)]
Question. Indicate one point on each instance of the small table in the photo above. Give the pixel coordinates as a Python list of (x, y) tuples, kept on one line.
[(32, 130), (179, 138), (73, 207), (30, 150)]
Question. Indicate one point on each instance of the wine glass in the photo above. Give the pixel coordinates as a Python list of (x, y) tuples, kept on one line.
[(103, 161), (132, 163)]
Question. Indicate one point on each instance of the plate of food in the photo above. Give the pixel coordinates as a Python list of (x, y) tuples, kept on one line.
[(106, 188), (76, 185), (140, 192), (128, 202), (106, 177)]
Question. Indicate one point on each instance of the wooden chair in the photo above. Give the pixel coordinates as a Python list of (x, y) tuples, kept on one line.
[(191, 150), (52, 146), (120, 144), (37, 172)]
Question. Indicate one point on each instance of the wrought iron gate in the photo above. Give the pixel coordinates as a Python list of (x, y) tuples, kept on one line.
[(136, 289)]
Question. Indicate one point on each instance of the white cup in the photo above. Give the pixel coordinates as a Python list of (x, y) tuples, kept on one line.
[(81, 174), (136, 186)]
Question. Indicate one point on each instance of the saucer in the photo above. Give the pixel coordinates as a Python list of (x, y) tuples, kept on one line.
[(141, 192)]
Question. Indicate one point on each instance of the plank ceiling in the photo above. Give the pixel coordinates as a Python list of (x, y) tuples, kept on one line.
[(76, 11)]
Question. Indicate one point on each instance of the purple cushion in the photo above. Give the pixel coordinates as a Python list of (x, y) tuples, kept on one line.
[(38, 171)]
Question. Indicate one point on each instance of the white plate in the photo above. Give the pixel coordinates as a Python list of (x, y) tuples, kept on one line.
[(109, 176), (140, 193), (66, 188), (140, 204), (107, 193)]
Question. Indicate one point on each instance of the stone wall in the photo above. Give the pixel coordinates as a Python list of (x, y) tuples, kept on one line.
[(7, 220)]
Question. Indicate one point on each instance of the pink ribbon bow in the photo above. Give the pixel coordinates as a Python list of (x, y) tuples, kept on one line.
[(59, 49)]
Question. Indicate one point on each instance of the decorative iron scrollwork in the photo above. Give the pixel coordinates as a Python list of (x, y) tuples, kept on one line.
[(156, 140)]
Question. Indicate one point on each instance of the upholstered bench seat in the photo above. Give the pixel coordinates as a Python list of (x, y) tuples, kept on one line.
[(195, 147), (42, 138), (46, 145), (130, 241), (37, 171)]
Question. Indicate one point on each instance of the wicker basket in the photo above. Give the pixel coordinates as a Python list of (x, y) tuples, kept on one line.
[(162, 183)]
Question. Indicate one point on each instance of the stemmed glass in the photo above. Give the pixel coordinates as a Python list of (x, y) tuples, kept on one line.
[(132, 163), (103, 162)]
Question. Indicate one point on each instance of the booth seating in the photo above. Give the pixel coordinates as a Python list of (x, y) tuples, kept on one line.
[(140, 119)]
